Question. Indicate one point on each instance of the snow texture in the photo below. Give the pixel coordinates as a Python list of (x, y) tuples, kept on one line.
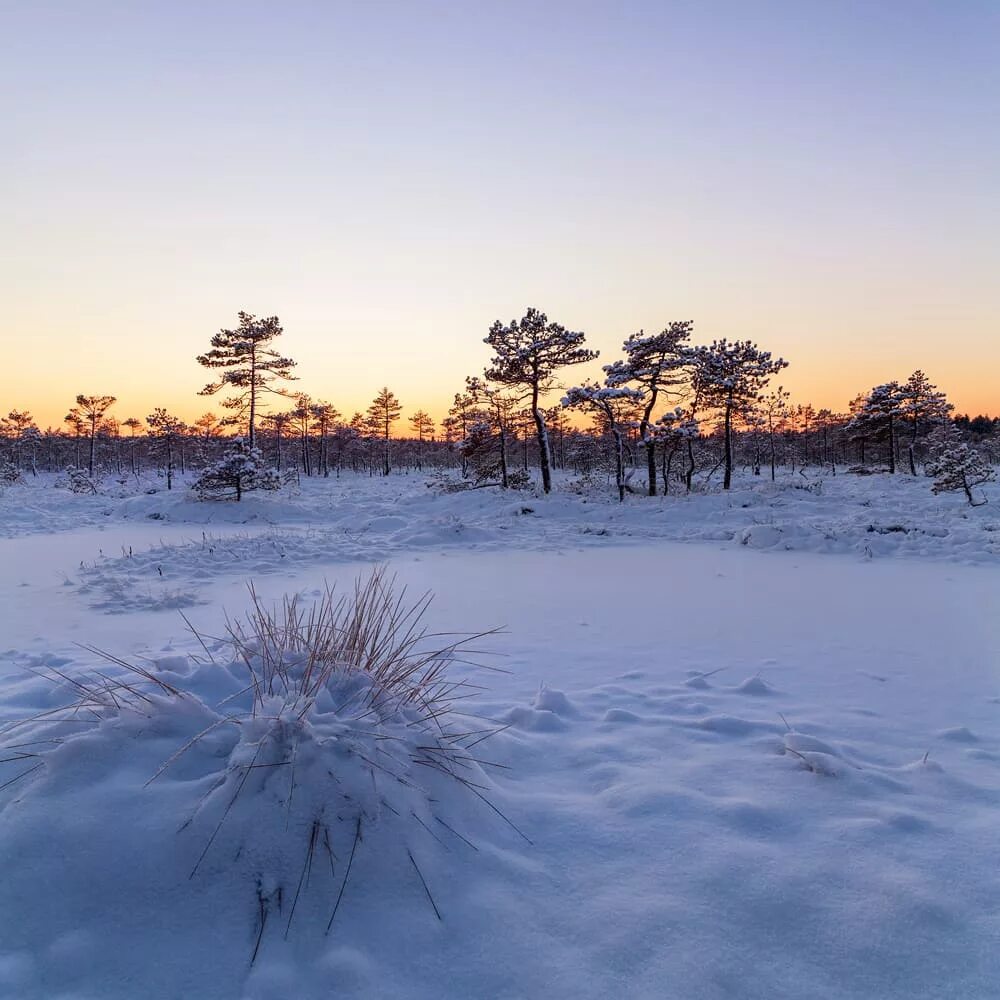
[(760, 764)]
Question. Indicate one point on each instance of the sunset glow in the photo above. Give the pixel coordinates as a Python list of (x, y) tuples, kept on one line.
[(390, 179)]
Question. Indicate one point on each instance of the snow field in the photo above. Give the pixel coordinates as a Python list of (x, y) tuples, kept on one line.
[(743, 774)]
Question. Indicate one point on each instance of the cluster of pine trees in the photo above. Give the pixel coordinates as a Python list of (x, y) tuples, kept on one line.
[(665, 411)]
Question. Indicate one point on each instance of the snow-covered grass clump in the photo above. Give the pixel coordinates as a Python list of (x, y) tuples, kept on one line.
[(306, 734)]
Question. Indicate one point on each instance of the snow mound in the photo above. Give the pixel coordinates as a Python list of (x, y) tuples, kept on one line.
[(550, 700), (755, 686), (315, 738)]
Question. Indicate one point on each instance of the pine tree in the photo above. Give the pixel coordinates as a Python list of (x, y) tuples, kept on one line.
[(301, 414), (324, 416), (879, 415), (959, 467), (774, 410), (91, 409), (251, 366), (676, 429), (614, 405), (133, 424), (656, 363), (491, 424), (277, 422), (464, 412), (423, 426), (77, 425), (20, 424), (526, 355), (922, 405), (729, 376), (240, 470), (166, 429), (383, 413)]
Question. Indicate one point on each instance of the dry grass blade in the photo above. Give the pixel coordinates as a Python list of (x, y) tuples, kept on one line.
[(423, 882), (347, 874)]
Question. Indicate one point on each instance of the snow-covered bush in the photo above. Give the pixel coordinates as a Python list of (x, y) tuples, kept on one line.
[(959, 467), (325, 738), (77, 480), (240, 470), (483, 453), (519, 479), (9, 474)]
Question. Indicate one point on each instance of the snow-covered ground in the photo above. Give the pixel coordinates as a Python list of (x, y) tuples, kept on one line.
[(733, 773)]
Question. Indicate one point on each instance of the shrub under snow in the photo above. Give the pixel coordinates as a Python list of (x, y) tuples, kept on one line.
[(313, 734), (240, 470), (959, 467)]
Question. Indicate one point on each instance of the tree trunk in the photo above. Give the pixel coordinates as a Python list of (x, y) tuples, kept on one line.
[(503, 456), (619, 464), (253, 397), (728, 476), (668, 461), (544, 458), (650, 446)]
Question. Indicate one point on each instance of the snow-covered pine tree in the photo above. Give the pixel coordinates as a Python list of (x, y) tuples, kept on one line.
[(250, 367), (240, 470), (728, 376), (959, 467), (10, 473), (166, 430), (879, 417), (489, 421), (614, 405), (464, 412), (656, 363), (675, 430), (923, 406), (526, 355), (774, 410), (19, 426)]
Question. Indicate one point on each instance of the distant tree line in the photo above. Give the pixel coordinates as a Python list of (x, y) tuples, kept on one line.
[(667, 414)]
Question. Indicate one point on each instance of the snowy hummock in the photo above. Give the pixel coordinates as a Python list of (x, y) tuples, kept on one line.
[(742, 773)]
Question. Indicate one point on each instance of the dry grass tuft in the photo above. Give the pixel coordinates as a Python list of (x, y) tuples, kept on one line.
[(342, 737)]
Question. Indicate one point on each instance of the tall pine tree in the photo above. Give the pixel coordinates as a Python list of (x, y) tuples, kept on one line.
[(250, 367)]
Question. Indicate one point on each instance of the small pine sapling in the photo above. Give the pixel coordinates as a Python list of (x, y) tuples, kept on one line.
[(240, 470), (959, 467)]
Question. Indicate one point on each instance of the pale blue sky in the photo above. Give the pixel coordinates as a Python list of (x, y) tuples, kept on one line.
[(390, 178)]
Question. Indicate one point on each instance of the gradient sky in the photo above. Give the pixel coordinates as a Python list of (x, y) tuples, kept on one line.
[(389, 178)]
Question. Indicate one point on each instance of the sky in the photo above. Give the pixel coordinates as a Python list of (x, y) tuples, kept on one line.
[(390, 178)]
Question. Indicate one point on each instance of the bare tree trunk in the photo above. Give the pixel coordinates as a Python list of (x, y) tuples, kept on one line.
[(650, 446), (503, 456), (253, 401), (619, 464), (543, 442), (727, 478)]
